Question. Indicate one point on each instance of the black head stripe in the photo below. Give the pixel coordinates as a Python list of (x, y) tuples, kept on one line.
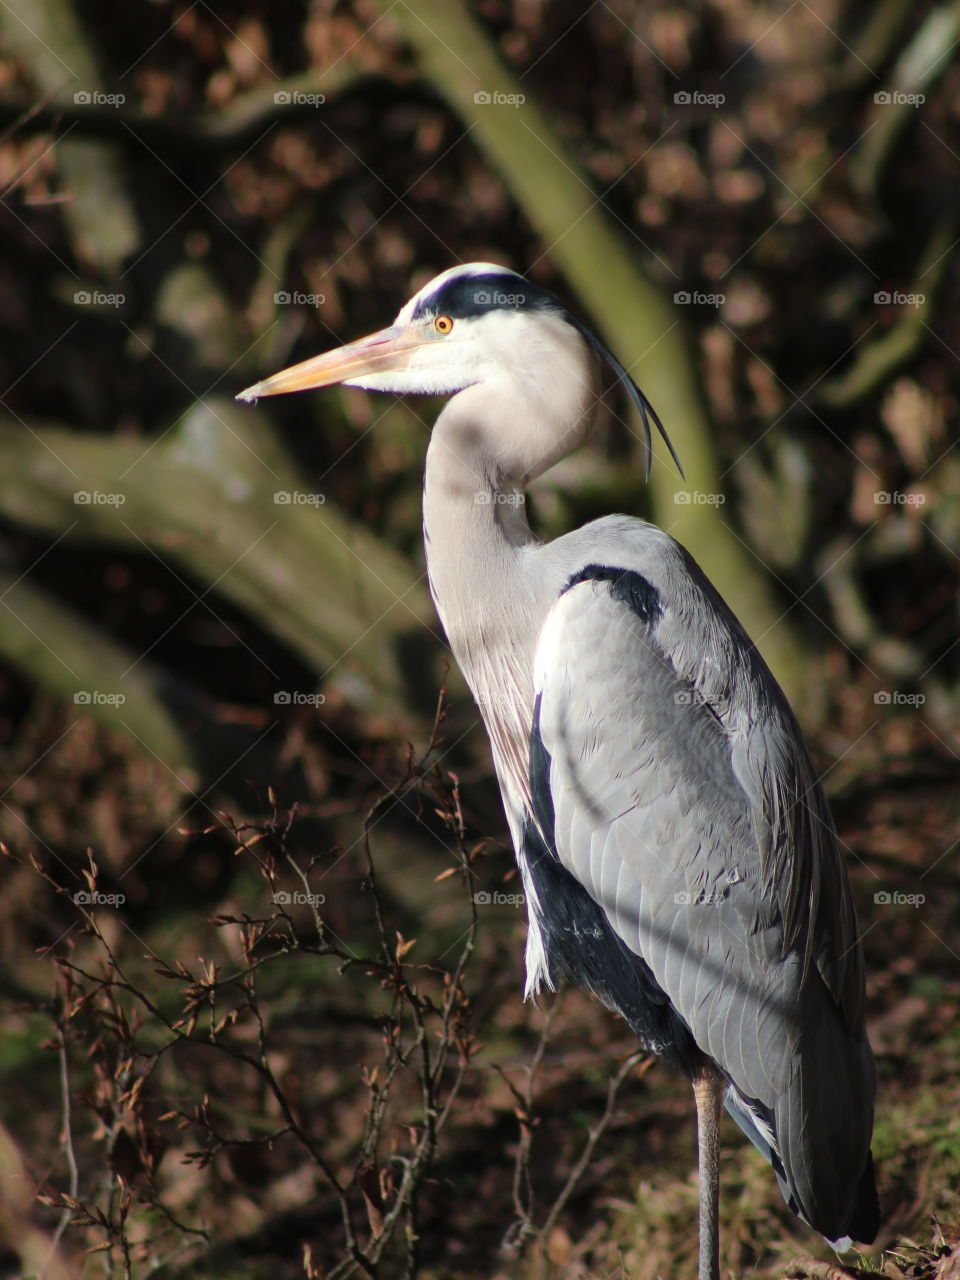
[(466, 296)]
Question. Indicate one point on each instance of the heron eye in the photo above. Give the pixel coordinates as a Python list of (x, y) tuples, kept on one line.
[(443, 324)]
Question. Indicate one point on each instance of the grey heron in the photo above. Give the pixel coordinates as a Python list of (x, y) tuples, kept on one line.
[(677, 854)]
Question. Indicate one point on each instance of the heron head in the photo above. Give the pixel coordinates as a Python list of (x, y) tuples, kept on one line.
[(478, 323)]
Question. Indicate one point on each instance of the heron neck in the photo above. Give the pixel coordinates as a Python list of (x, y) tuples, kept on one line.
[(469, 501), (475, 526), (488, 591)]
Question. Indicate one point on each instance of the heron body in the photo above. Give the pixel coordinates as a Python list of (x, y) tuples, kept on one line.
[(678, 857)]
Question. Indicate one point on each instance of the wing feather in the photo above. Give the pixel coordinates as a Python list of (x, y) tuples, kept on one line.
[(684, 802)]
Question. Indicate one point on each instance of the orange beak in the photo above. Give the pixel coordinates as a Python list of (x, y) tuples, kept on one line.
[(382, 352)]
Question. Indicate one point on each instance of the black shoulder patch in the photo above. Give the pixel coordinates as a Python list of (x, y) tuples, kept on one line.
[(466, 296), (627, 586)]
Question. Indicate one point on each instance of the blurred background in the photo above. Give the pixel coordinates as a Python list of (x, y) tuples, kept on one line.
[(261, 935)]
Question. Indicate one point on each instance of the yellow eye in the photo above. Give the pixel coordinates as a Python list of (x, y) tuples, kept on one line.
[(443, 324)]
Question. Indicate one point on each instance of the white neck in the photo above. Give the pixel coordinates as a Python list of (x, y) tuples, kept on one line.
[(490, 439)]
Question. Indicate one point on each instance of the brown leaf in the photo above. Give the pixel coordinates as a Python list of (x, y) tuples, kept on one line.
[(133, 1097), (368, 1180), (403, 946), (125, 1159)]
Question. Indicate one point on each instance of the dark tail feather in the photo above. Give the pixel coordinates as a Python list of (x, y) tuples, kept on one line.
[(865, 1219)]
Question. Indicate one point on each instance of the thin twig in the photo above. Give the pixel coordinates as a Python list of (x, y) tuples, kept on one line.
[(593, 1137), (71, 1155)]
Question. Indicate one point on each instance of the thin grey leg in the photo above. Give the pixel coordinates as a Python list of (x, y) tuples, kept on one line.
[(708, 1091)]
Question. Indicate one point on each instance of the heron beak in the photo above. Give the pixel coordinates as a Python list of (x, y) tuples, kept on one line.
[(381, 352)]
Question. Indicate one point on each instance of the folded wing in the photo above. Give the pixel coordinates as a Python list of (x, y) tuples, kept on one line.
[(679, 830)]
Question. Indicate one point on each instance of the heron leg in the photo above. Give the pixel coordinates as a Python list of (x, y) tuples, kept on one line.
[(708, 1088)]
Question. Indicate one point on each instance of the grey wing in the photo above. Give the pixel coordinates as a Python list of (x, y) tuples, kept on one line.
[(671, 783)]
